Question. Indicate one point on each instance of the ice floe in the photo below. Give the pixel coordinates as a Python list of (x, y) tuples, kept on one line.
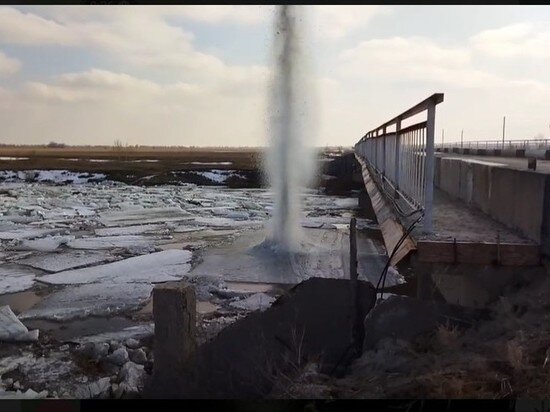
[(94, 299), (130, 230), (11, 328), (14, 278), (168, 265), (110, 242), (57, 262), (144, 216), (27, 233), (47, 244), (135, 332), (258, 301)]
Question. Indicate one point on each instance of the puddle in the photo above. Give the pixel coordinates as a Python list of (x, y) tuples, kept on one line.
[(256, 287), (202, 308), (20, 301), (64, 331)]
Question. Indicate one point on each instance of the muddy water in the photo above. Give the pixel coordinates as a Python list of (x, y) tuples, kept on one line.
[(202, 308), (21, 301)]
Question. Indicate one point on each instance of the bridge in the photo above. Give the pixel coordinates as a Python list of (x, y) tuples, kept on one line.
[(468, 221)]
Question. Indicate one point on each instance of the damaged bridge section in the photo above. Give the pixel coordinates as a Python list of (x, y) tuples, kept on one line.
[(468, 228)]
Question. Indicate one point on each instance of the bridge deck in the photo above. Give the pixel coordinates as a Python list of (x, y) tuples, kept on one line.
[(461, 234)]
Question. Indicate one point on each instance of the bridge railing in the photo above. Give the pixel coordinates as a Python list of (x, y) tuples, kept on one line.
[(404, 157), (498, 144)]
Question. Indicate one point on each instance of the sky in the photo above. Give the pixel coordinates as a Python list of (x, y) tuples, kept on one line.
[(200, 75)]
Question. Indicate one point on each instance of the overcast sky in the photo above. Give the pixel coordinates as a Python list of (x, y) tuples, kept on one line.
[(199, 75)]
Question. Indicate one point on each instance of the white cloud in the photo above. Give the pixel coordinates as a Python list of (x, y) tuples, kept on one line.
[(8, 65), (137, 36), (99, 105), (418, 59), (527, 40), (249, 15), (17, 27), (336, 21)]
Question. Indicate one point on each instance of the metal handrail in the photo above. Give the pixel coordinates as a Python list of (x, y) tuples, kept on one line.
[(405, 157)]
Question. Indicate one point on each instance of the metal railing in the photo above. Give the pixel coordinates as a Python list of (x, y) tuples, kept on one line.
[(534, 144), (405, 157)]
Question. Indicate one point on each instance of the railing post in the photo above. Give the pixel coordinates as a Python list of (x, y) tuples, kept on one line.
[(384, 151), (397, 165), (429, 170)]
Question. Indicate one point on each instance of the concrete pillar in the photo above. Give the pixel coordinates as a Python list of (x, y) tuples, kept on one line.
[(175, 314)]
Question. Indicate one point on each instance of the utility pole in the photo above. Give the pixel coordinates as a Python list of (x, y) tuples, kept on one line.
[(462, 138), (442, 136), (503, 130)]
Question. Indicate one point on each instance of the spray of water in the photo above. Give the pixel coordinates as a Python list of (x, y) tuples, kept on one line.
[(290, 155)]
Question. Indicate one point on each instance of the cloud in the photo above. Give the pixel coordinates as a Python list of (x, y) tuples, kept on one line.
[(17, 27), (8, 65), (336, 21), (528, 40), (249, 15), (99, 105), (418, 59), (139, 36)]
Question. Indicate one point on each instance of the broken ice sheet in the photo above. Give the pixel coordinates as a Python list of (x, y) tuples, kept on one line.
[(258, 301), (130, 230), (96, 299), (135, 332), (27, 233), (143, 216), (57, 262), (223, 222), (109, 242), (168, 265), (46, 244), (14, 278), (12, 330)]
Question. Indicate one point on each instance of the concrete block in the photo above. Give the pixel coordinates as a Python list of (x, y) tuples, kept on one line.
[(508, 152), (529, 203), (537, 153), (481, 186), (449, 180), (501, 195), (466, 182), (516, 199), (174, 311)]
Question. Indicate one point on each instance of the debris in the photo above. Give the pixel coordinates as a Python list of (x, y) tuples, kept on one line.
[(132, 343), (12, 330), (131, 378), (138, 356), (258, 301), (119, 357), (99, 388)]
